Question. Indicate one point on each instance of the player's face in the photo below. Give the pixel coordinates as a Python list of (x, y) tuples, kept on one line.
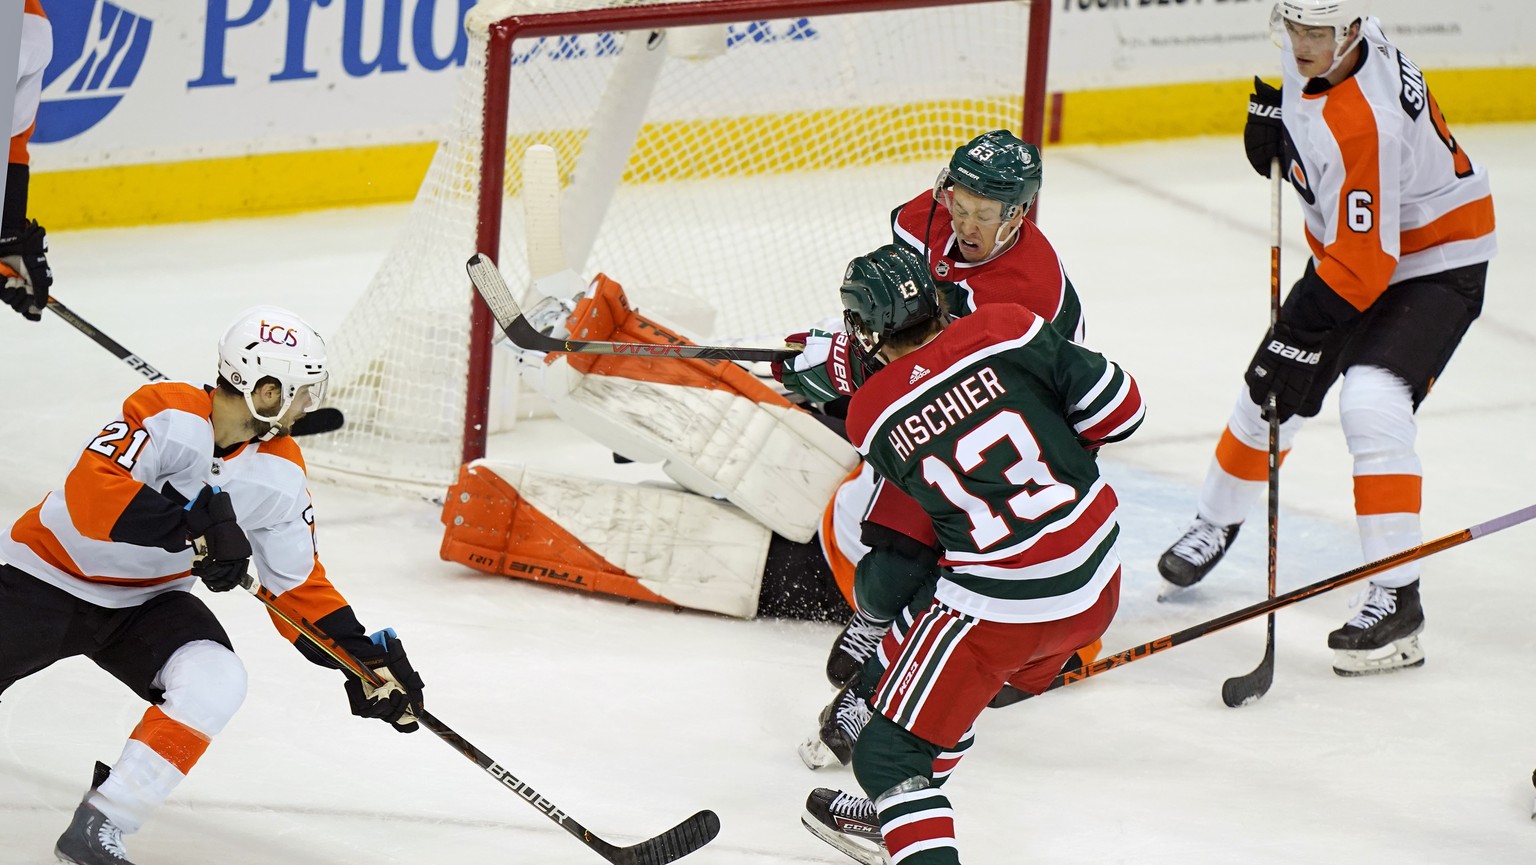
[(976, 221), (1312, 47)]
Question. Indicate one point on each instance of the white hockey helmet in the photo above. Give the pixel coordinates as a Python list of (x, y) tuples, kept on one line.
[(271, 342), (1338, 14)]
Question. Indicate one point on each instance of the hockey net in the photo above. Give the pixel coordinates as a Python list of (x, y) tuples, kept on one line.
[(724, 172)]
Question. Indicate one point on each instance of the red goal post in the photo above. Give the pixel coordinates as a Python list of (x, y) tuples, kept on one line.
[(680, 132)]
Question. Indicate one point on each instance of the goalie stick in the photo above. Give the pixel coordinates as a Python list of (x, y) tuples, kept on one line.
[(1244, 689), (321, 420), (488, 282), (673, 844), (1010, 695)]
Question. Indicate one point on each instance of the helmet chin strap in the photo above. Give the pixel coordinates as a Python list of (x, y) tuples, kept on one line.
[(273, 423), (1001, 241)]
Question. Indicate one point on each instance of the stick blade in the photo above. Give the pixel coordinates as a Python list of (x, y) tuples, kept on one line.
[(1242, 690), (673, 844)]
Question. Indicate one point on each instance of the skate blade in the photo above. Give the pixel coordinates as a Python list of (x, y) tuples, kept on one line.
[(857, 849), (816, 755), (1404, 654), (1171, 591)]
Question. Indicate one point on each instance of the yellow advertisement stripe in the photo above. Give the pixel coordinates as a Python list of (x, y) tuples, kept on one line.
[(311, 180)]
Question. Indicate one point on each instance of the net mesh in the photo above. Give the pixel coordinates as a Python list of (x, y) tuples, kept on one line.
[(768, 153)]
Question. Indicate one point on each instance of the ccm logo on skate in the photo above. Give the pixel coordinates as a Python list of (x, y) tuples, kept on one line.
[(1291, 352), (534, 798)]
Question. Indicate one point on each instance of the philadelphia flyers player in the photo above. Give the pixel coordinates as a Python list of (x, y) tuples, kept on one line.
[(104, 566), (1401, 225), (24, 273)]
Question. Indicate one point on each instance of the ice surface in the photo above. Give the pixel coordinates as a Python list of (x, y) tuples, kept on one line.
[(631, 717)]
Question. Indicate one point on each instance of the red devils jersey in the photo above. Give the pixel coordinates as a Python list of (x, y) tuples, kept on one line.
[(1027, 273)]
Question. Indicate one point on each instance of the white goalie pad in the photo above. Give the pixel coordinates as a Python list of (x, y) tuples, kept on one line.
[(631, 540), (775, 462)]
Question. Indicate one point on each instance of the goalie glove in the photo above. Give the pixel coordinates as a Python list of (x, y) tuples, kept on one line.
[(25, 277), (399, 699), (829, 366)]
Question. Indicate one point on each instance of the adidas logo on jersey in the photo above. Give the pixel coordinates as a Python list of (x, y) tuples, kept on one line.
[(917, 374)]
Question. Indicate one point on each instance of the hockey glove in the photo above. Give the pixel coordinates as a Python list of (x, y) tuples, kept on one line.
[(828, 366), (223, 552), (24, 274), (399, 700), (1285, 365), (1264, 134)]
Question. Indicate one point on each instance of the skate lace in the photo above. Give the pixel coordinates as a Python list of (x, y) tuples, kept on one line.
[(862, 636), (852, 714), (111, 840), (1202, 542), (1378, 603), (857, 807)]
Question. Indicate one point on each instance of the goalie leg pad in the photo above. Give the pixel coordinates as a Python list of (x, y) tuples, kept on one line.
[(719, 431), (642, 542)]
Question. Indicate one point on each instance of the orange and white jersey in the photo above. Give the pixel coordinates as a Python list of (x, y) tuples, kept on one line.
[(113, 534), (36, 51), (1387, 192)]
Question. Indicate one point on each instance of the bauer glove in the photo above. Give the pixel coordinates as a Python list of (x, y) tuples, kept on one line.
[(25, 277), (223, 552), (1264, 133), (398, 701), (827, 367), (1286, 365)]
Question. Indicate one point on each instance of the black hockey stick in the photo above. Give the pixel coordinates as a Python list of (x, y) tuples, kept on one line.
[(1241, 690), (673, 844), (321, 420), (1011, 695), (488, 281)]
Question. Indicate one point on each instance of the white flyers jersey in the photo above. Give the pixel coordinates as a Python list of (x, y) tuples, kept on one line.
[(1388, 194), (36, 51), (113, 533)]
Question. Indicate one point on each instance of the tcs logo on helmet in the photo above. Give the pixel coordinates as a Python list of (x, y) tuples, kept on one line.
[(279, 334)]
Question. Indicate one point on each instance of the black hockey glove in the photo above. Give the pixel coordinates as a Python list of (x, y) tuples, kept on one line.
[(24, 274), (1264, 134), (399, 700), (223, 552), (1285, 364)]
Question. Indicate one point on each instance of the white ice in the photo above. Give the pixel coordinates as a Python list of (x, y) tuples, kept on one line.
[(631, 717)]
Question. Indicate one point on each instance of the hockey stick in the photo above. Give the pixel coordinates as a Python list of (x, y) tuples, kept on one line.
[(1011, 695), (321, 420), (487, 280), (1240, 690), (673, 844)]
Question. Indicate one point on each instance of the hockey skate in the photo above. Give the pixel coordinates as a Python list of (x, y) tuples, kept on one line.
[(841, 723), (1194, 555), (848, 823), (1383, 636), (91, 838), (853, 647)]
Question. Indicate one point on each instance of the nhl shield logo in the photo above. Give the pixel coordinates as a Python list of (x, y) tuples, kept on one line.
[(941, 269)]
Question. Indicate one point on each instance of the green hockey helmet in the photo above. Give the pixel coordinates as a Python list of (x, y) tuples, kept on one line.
[(886, 292), (995, 165)]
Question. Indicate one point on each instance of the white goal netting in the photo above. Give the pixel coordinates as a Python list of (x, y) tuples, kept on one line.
[(725, 178)]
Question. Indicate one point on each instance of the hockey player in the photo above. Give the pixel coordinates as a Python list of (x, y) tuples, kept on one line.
[(1400, 222), (24, 274), (104, 567), (991, 423), (973, 230)]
